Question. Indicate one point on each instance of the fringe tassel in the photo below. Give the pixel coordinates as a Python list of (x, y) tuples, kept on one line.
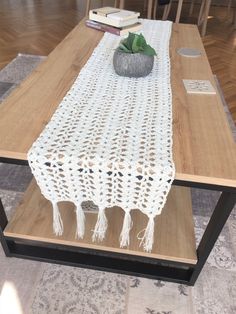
[(147, 239), (101, 226), (127, 226), (80, 219), (57, 221)]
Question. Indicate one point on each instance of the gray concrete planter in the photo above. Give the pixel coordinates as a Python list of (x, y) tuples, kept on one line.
[(132, 64)]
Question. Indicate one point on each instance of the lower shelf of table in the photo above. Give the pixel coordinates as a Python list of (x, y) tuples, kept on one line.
[(174, 228)]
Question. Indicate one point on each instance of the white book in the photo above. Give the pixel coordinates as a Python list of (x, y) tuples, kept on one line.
[(114, 17), (123, 15)]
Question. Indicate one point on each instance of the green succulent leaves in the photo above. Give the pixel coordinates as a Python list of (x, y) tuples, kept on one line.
[(136, 43)]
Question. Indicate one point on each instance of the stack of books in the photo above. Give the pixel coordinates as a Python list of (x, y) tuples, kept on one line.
[(113, 20)]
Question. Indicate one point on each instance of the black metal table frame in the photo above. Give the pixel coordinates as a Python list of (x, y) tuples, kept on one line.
[(125, 263)]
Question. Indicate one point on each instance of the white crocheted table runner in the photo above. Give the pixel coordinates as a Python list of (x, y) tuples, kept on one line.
[(110, 140)]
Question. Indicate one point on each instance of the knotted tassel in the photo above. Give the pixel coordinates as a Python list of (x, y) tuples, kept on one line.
[(127, 226), (148, 238), (101, 226), (80, 219), (57, 221)]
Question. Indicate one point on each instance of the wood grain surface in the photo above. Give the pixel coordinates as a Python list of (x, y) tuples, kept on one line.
[(37, 27), (204, 150), (174, 238)]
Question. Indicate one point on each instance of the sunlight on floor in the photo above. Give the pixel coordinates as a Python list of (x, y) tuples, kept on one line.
[(9, 300)]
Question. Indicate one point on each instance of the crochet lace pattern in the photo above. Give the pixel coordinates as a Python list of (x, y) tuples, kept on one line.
[(110, 140)]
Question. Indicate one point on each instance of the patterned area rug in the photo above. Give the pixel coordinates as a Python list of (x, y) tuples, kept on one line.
[(34, 287)]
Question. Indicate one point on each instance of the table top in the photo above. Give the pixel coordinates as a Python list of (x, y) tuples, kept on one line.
[(204, 150)]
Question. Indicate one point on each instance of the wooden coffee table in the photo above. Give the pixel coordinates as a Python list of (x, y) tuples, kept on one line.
[(204, 155)]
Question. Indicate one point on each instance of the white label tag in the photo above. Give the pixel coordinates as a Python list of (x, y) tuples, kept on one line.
[(199, 87)]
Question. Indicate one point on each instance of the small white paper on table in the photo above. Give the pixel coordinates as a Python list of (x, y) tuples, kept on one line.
[(199, 87)]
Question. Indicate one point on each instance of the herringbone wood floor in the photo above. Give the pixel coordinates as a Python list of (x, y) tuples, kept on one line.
[(37, 26)]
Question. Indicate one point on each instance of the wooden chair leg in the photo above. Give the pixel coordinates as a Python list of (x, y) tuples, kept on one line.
[(191, 7), (155, 10), (200, 15), (144, 5), (204, 25), (122, 4), (229, 9), (232, 15), (149, 12), (166, 11), (179, 9), (87, 7)]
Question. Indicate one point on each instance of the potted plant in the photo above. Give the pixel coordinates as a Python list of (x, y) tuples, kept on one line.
[(134, 57)]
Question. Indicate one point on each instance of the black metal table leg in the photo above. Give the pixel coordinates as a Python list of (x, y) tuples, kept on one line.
[(13, 161), (3, 223), (217, 221)]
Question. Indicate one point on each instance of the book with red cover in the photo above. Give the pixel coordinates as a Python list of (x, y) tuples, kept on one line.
[(114, 30)]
